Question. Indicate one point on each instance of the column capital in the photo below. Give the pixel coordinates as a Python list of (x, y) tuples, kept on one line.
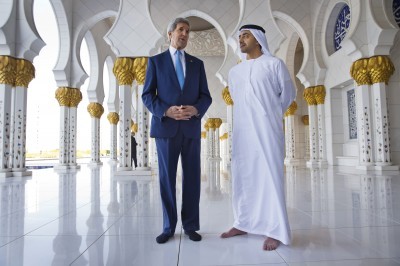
[(213, 123), (124, 71), (308, 95), (95, 110), (291, 109), (359, 72), (69, 97), (140, 66), (8, 70), (134, 127), (25, 73), (380, 68), (319, 94), (113, 118), (227, 96), (203, 134)]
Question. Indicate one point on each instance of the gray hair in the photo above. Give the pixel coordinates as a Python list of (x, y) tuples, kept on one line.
[(172, 25)]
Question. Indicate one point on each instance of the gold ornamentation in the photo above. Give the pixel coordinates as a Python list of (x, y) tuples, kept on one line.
[(8, 70), (140, 66), (319, 94), (124, 71), (208, 124), (227, 96), (359, 72), (25, 73), (76, 97), (224, 136), (213, 123), (69, 97), (291, 109), (380, 68), (203, 134), (217, 122), (308, 95), (305, 119), (95, 110), (134, 128), (113, 118)]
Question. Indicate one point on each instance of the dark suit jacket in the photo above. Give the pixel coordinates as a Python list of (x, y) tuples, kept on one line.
[(161, 90)]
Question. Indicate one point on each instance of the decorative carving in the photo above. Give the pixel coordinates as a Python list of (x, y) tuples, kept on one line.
[(113, 118), (227, 96), (342, 26), (359, 72), (8, 70), (319, 94), (203, 134), (206, 43), (352, 113), (291, 109), (308, 95), (95, 110), (25, 73), (140, 66), (380, 68), (396, 11), (134, 128), (69, 97), (124, 70)]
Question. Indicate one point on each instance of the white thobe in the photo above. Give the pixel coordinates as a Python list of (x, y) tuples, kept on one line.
[(261, 90)]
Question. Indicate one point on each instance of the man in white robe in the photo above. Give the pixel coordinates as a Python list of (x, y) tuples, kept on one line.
[(262, 90)]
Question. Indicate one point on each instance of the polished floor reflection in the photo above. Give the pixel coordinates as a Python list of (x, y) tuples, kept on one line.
[(93, 217)]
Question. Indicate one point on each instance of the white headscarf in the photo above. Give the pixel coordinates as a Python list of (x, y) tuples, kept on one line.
[(261, 39)]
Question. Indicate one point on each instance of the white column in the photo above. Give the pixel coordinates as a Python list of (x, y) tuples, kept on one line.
[(19, 132), (217, 143), (95, 149), (73, 111), (383, 160), (125, 127), (142, 136), (64, 136), (313, 134), (113, 118), (5, 120), (229, 118), (290, 141), (364, 133), (322, 161)]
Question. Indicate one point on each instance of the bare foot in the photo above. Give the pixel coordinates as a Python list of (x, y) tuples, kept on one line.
[(270, 244), (233, 232)]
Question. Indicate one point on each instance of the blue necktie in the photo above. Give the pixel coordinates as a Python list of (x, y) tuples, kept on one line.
[(179, 68)]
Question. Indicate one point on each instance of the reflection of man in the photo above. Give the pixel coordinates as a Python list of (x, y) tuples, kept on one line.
[(176, 93), (133, 150), (262, 90)]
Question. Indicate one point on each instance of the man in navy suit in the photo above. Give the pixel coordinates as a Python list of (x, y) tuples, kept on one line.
[(176, 93)]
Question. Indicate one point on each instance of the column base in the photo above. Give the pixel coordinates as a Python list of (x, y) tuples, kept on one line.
[(124, 169), (131, 172), (113, 161), (4, 174), (66, 166), (369, 167), (312, 164), (293, 162), (143, 169), (95, 163), (386, 167), (323, 164), (22, 172)]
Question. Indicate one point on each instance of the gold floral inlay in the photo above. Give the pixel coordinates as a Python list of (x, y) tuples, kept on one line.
[(305, 119), (227, 96), (124, 71), (25, 73), (319, 94), (140, 66), (291, 109), (224, 136), (134, 127), (113, 118), (308, 95), (95, 110), (8, 70)]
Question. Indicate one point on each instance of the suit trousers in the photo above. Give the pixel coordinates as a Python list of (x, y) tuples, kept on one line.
[(168, 150)]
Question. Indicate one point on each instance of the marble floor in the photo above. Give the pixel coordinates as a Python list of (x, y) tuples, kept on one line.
[(94, 217)]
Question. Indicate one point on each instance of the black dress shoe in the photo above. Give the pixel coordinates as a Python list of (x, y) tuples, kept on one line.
[(193, 235), (161, 239)]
